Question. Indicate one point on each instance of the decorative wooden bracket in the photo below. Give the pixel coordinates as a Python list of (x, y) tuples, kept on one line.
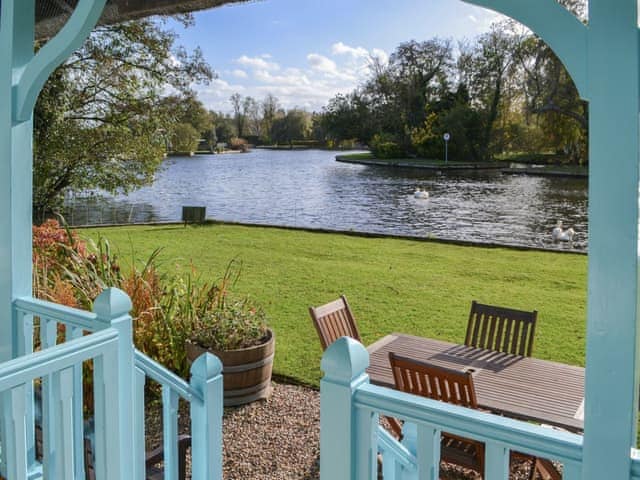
[(31, 80)]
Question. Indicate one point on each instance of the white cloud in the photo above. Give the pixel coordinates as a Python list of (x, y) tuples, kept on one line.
[(482, 19), (381, 55), (290, 77), (216, 94), (342, 49), (322, 64), (328, 67), (309, 86), (257, 62)]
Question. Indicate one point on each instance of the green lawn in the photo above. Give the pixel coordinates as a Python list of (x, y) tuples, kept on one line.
[(421, 288)]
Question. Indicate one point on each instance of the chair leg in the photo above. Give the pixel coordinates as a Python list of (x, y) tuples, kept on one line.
[(532, 468), (546, 469)]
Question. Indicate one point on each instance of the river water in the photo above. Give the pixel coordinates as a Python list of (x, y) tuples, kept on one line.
[(310, 189)]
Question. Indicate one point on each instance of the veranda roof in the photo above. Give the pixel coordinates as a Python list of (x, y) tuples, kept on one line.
[(52, 14)]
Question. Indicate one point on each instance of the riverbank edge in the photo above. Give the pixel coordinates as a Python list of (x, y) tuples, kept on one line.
[(350, 233), (539, 172), (399, 163)]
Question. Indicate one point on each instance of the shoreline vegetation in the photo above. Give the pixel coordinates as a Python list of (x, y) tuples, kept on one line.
[(420, 288), (535, 165)]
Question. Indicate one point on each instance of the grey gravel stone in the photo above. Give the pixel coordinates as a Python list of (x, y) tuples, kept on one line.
[(279, 438)]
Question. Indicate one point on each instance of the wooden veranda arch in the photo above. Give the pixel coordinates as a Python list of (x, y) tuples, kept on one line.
[(603, 58)]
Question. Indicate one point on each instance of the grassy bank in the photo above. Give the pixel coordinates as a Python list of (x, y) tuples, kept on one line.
[(393, 285)]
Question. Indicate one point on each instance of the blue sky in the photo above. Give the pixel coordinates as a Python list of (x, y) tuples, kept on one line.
[(306, 51)]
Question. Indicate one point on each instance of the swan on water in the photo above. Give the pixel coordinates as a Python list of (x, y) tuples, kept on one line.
[(420, 193), (560, 235)]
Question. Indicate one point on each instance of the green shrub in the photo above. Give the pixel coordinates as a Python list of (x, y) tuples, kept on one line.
[(382, 146), (167, 310)]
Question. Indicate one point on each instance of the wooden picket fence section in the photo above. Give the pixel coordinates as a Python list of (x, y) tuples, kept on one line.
[(351, 437), (67, 338)]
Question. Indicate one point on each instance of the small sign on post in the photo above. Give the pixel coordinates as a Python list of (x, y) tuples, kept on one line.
[(446, 137)]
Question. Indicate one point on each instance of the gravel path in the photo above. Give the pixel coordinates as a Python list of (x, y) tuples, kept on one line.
[(278, 439)]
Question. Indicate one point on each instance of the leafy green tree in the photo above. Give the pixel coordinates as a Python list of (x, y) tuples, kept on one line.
[(251, 113), (552, 98), (269, 110), (341, 118), (185, 138), (224, 128), (238, 115), (187, 110), (487, 67), (418, 70), (295, 125), (99, 123)]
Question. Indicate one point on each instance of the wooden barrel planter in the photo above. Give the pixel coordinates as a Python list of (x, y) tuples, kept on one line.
[(246, 371)]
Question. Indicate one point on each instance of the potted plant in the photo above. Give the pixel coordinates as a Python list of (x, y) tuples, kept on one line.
[(235, 330)]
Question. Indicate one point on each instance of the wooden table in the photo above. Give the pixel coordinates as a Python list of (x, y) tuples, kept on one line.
[(518, 387)]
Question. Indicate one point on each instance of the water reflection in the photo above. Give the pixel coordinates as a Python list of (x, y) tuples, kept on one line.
[(310, 189)]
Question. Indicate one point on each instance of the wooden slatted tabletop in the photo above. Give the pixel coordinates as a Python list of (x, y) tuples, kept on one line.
[(518, 387)]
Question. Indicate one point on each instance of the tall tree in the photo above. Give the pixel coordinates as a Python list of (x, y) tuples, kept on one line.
[(238, 114), (295, 125), (269, 111), (251, 112), (97, 122), (487, 67)]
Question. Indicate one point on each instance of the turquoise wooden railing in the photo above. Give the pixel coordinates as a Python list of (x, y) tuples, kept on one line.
[(204, 393), (205, 396), (55, 367), (350, 436)]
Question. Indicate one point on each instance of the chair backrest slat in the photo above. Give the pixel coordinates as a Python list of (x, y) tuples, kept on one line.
[(334, 320), (432, 381), (501, 329)]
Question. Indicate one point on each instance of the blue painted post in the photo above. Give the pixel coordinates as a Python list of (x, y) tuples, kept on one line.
[(16, 38), (108, 436), (344, 364), (78, 406), (604, 60), (112, 309), (497, 461), (427, 451), (12, 413), (22, 75), (206, 418), (612, 335), (139, 467), (170, 402)]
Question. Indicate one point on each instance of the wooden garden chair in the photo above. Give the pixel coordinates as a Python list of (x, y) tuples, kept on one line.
[(501, 329), (334, 320), (453, 386)]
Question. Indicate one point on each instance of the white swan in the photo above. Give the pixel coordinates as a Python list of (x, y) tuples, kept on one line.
[(560, 235), (422, 194)]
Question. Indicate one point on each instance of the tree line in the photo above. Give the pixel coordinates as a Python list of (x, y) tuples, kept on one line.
[(505, 92), (105, 120)]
